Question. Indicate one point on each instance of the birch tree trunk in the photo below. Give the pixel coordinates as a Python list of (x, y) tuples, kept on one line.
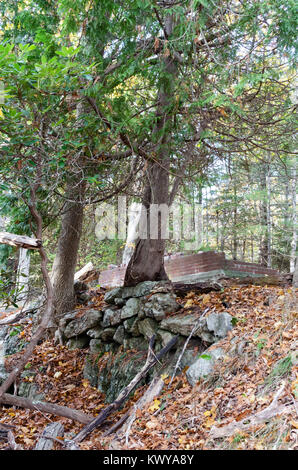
[(134, 214), (22, 280), (294, 221)]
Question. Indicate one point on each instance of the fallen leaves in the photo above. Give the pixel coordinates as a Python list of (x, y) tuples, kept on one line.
[(183, 417)]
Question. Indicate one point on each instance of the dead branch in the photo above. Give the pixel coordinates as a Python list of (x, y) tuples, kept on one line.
[(152, 391), (46, 407), (19, 240), (274, 409), (195, 327), (150, 362)]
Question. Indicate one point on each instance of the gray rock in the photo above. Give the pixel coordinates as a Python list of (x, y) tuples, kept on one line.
[(95, 332), (131, 325), (67, 318), (158, 305), (29, 389), (135, 343), (111, 317), (203, 366), (210, 329), (12, 343), (113, 294), (214, 327), (90, 371), (79, 325), (147, 327), (118, 372), (181, 324), (142, 289), (164, 336), (107, 334), (95, 346), (119, 334), (131, 308)]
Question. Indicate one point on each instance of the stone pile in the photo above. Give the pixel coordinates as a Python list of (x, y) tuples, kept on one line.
[(133, 314)]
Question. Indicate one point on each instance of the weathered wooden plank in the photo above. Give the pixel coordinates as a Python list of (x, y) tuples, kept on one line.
[(19, 240)]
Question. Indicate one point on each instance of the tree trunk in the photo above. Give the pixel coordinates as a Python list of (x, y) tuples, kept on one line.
[(294, 222), (295, 276), (22, 281), (132, 231), (264, 242), (64, 266), (147, 261)]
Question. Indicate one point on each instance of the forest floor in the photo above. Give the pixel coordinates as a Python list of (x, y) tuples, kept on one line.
[(222, 412)]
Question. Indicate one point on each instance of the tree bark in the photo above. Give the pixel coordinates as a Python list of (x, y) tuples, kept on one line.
[(64, 266), (264, 241), (147, 261), (295, 275)]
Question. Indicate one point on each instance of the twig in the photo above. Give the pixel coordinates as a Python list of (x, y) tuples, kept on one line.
[(195, 327), (272, 410)]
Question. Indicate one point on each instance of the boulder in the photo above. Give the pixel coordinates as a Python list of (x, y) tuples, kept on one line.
[(158, 305), (119, 334), (214, 327), (80, 325), (164, 336), (131, 325), (141, 290), (29, 389), (147, 327), (113, 294), (107, 334), (179, 324), (204, 365), (210, 329), (111, 317), (131, 308), (135, 343), (95, 333)]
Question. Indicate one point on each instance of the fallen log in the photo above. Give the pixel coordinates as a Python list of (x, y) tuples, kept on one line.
[(19, 240), (152, 359), (181, 288), (46, 407)]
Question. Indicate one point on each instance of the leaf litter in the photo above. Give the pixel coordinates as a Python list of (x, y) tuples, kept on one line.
[(243, 384)]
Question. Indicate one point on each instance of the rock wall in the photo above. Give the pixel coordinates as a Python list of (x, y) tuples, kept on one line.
[(193, 268), (117, 337), (121, 331)]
